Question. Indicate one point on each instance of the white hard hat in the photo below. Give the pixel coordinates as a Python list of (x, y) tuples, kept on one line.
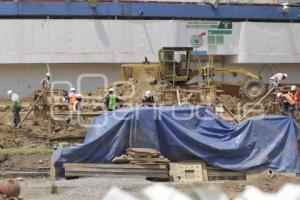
[(78, 95), (278, 95), (285, 75), (72, 89), (293, 87), (177, 57), (9, 92), (111, 89), (48, 74), (220, 108), (148, 93)]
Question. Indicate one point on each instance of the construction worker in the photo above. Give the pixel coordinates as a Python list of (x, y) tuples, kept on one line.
[(111, 100), (296, 95), (46, 82), (71, 98), (287, 103), (76, 106), (15, 107), (276, 79), (148, 99)]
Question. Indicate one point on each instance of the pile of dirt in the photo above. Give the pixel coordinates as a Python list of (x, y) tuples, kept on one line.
[(25, 161), (230, 102), (11, 137), (8, 139), (131, 91), (271, 183), (239, 106)]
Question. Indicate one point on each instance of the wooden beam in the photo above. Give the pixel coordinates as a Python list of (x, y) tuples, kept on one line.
[(227, 110), (130, 171), (266, 95), (28, 112), (113, 166), (83, 114)]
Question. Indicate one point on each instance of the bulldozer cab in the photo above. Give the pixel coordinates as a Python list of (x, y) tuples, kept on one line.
[(147, 72), (174, 63)]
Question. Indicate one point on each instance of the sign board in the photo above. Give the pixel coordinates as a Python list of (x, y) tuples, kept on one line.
[(209, 37)]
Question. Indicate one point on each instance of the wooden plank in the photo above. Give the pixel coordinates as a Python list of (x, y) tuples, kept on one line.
[(92, 173), (225, 173), (158, 160), (142, 155), (43, 168), (204, 171), (143, 150), (52, 170), (83, 114), (253, 107), (84, 174), (118, 166), (148, 163), (155, 171), (28, 112)]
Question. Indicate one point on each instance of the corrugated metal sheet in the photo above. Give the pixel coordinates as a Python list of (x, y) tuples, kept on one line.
[(149, 10)]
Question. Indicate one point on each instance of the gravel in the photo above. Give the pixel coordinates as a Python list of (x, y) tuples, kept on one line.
[(81, 189)]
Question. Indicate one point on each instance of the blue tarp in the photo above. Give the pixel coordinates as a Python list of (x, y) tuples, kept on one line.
[(188, 133)]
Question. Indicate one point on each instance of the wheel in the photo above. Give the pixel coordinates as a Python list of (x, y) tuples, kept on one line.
[(252, 89)]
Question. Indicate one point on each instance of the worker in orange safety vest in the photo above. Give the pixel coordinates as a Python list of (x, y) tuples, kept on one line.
[(71, 98), (287, 103), (296, 95)]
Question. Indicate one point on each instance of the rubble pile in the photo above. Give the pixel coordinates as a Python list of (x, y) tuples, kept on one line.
[(11, 137), (230, 102), (131, 91)]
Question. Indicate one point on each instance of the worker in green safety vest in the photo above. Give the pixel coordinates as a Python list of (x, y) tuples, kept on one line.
[(15, 107), (111, 100)]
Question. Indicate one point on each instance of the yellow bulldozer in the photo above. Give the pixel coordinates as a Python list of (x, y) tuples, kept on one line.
[(170, 67), (251, 87), (174, 67)]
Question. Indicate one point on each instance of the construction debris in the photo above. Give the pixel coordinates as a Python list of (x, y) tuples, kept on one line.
[(143, 162), (141, 156), (132, 90), (188, 172), (78, 170), (198, 171)]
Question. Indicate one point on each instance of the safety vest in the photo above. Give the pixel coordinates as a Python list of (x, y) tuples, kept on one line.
[(72, 99), (112, 102), (16, 98), (18, 103), (289, 99)]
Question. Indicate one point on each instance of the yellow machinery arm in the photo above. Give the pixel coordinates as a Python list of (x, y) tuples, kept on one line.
[(238, 70), (251, 88)]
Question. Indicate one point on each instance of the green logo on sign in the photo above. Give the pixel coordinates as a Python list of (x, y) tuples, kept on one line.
[(197, 40)]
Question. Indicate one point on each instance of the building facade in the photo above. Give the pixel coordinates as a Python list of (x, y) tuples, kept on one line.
[(77, 40)]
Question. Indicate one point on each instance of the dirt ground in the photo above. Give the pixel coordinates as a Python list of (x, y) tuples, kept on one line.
[(24, 150), (96, 188), (25, 158)]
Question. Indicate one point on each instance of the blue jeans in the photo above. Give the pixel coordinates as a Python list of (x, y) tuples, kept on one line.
[(273, 84)]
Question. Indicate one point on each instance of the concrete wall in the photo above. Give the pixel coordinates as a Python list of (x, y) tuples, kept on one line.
[(117, 41), (25, 78), (86, 42)]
